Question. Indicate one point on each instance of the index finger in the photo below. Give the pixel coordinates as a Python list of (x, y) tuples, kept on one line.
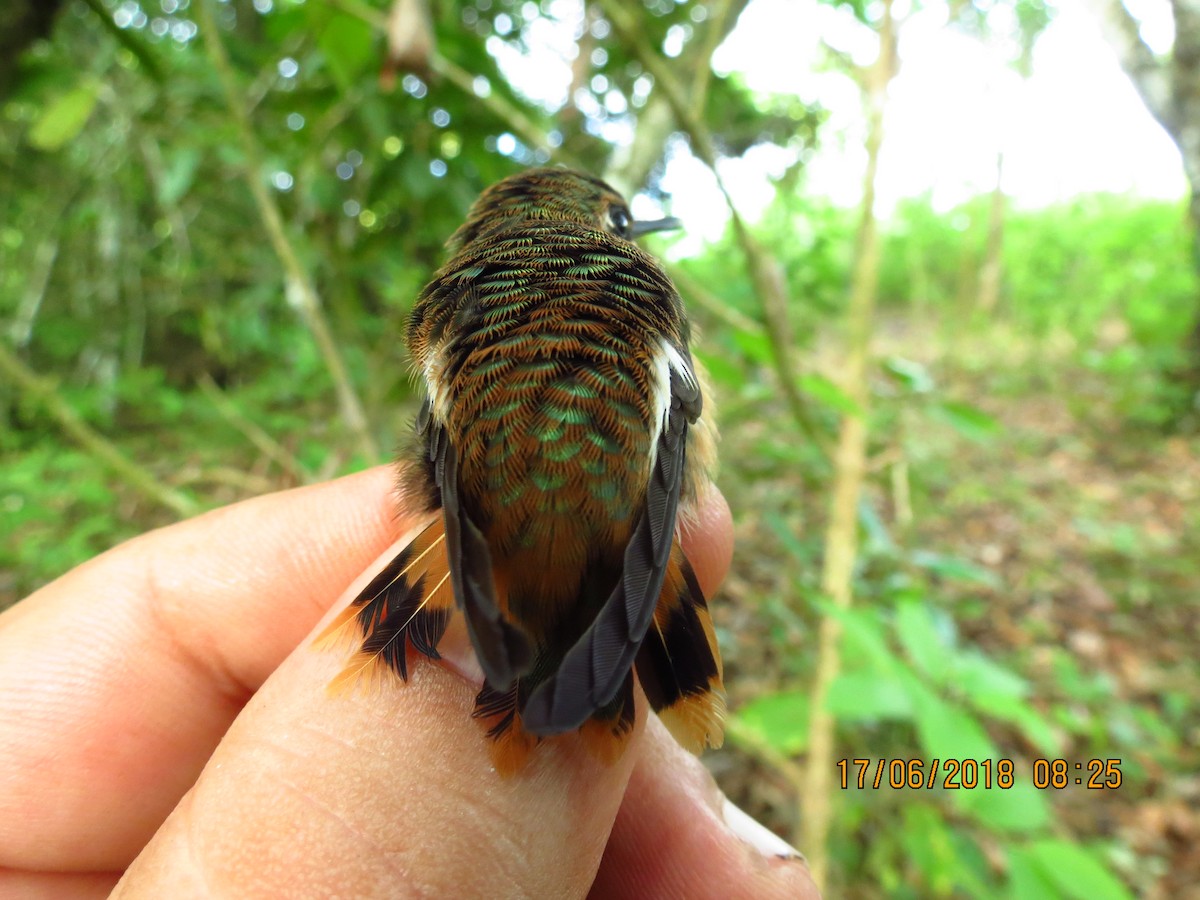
[(118, 679)]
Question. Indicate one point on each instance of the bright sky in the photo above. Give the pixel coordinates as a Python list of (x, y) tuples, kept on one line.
[(1075, 126)]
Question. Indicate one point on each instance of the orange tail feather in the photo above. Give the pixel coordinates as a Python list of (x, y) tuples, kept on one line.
[(679, 664), (406, 605)]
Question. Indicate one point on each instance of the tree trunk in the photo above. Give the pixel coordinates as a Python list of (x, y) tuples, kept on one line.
[(1170, 87), (992, 269), (841, 536), (630, 166), (21, 23)]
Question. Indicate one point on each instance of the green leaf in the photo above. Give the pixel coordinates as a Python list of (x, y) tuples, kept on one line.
[(721, 368), (864, 639), (976, 675), (180, 172), (995, 691), (1076, 871), (821, 388), (868, 696), (1036, 729), (951, 865), (948, 731), (1020, 808), (756, 346), (912, 375), (927, 643), (969, 421), (63, 119), (778, 720), (954, 567), (346, 44), (1025, 878), (287, 20)]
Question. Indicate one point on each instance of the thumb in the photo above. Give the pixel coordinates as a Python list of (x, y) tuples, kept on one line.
[(380, 793)]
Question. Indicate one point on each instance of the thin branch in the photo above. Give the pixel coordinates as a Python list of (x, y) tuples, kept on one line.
[(721, 16), (581, 67), (300, 289), (267, 445), (698, 295), (841, 536), (45, 259), (181, 241), (228, 476), (630, 165), (745, 739), (1149, 76), (764, 270), (129, 39), (21, 328), (44, 392), (531, 134)]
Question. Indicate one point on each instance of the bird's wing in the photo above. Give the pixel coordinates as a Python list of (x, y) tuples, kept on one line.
[(593, 670), (503, 649)]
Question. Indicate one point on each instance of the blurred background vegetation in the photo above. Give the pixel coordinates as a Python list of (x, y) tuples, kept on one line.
[(959, 439)]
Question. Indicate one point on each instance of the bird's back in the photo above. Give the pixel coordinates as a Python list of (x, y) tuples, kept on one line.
[(553, 379)]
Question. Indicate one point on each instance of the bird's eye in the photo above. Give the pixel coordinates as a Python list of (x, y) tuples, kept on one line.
[(619, 221)]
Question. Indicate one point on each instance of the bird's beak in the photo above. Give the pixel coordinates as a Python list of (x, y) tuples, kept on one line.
[(637, 229)]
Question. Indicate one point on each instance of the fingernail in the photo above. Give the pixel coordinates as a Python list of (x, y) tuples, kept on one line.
[(457, 653), (757, 835)]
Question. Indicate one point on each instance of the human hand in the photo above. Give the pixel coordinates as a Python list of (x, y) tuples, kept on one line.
[(164, 722)]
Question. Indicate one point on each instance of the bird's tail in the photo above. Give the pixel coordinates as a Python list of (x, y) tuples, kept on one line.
[(408, 604), (678, 665)]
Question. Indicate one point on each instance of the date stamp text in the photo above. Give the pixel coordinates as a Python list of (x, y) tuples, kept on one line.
[(953, 774)]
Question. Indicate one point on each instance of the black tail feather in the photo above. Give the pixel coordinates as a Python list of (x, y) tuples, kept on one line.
[(679, 665)]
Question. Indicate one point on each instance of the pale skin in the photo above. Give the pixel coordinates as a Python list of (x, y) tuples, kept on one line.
[(164, 723)]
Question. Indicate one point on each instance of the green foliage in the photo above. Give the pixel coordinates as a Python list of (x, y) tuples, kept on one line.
[(912, 686), (44, 487), (1055, 868), (63, 119), (135, 272), (1112, 274), (778, 720)]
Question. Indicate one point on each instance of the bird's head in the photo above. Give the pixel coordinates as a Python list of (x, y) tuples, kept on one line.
[(549, 194)]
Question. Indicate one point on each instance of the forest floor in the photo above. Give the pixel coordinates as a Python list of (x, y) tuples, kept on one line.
[(1094, 529), (1091, 526)]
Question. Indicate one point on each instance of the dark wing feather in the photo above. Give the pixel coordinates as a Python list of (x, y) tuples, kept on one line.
[(503, 650), (594, 669)]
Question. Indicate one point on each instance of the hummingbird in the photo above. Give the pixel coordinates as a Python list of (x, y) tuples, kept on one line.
[(560, 444)]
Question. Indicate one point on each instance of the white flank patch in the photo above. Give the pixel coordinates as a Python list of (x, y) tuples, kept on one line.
[(435, 384), (680, 365), (668, 359)]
